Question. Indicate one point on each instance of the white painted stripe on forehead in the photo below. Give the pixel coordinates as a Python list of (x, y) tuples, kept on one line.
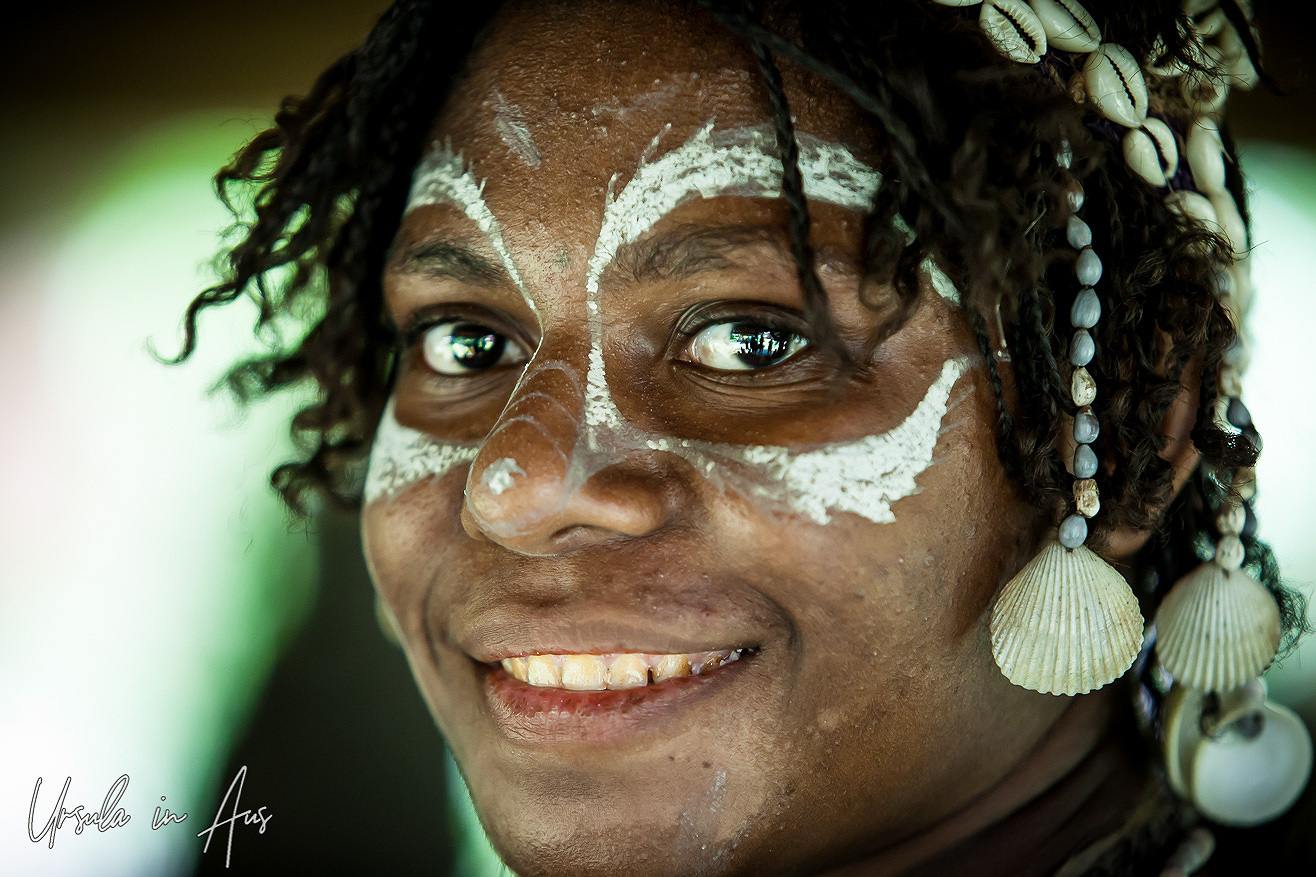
[(442, 178), (737, 161)]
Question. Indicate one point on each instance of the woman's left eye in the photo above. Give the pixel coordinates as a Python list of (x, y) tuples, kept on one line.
[(744, 345)]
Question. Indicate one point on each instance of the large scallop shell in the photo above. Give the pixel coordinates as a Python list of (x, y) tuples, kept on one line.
[(1217, 628), (1068, 623)]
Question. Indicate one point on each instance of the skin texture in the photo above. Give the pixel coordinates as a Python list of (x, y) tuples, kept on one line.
[(870, 715)]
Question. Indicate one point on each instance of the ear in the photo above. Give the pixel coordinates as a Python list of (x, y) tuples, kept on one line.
[(1180, 452)]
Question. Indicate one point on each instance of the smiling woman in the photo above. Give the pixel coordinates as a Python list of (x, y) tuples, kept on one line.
[(722, 367)]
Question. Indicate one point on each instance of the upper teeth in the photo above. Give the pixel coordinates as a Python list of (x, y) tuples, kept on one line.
[(599, 672)]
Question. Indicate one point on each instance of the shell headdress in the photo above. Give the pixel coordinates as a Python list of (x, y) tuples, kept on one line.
[(1068, 623)]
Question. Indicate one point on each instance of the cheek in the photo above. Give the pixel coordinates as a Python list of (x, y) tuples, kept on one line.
[(407, 538)]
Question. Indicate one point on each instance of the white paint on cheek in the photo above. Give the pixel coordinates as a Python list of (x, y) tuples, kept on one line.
[(512, 129), (442, 178), (401, 456), (864, 476), (500, 474)]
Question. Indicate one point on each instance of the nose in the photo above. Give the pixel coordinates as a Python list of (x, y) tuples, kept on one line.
[(533, 490)]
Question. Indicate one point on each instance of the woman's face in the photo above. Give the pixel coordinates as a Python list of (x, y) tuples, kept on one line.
[(610, 441)]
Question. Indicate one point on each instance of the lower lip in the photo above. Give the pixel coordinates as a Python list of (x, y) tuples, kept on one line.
[(534, 715)]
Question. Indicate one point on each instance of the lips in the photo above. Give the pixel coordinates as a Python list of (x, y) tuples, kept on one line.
[(530, 714)]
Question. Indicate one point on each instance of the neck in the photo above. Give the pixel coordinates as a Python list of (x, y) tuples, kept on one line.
[(1077, 785)]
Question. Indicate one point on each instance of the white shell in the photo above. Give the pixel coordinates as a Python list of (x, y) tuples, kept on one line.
[(1015, 30), (1217, 629), (1230, 221), (958, 2), (1206, 156), (1067, 623), (1068, 25), (1243, 290), (1165, 142), (1170, 68), (1204, 92), (1141, 156), (1115, 82), (1194, 206), (1234, 777)]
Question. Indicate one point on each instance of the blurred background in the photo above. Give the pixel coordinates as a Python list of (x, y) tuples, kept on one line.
[(160, 615)]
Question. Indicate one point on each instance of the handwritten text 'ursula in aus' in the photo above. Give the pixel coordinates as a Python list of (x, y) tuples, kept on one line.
[(111, 815)]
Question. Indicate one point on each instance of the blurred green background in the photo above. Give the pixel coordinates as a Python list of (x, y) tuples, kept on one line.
[(160, 615)]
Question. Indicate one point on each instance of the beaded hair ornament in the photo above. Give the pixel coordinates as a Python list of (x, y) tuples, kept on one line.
[(1068, 623)]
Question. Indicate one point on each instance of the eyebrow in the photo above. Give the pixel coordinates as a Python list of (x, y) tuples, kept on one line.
[(686, 250), (445, 259)]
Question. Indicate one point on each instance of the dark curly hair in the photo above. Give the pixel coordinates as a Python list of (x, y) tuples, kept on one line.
[(970, 164)]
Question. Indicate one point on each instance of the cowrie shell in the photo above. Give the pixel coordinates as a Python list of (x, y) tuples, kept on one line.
[(1141, 156), (1014, 29), (1115, 83), (1151, 153), (1067, 24), (1206, 156), (1204, 92), (1230, 221), (1196, 207)]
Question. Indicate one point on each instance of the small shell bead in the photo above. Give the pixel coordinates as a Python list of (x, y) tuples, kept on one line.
[(1245, 482), (1229, 552), (1085, 462), (1238, 415), (1076, 198), (1078, 233), (1073, 531), (1083, 387), (1086, 310), (1086, 498), (1088, 267), (1086, 428), (1082, 348), (1231, 520)]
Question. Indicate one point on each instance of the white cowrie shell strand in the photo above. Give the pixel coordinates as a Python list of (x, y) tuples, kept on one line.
[(1014, 29), (1068, 25), (1115, 83)]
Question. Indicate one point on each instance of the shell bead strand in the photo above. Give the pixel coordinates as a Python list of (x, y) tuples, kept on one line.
[(1068, 623)]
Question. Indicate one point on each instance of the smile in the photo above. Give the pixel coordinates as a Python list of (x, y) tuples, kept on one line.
[(613, 671)]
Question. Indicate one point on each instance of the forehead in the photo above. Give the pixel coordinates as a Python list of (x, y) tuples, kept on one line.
[(559, 97)]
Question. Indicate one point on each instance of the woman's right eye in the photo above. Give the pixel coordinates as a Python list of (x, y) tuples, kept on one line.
[(462, 347)]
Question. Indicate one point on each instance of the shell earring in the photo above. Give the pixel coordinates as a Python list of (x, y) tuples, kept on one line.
[(1068, 623)]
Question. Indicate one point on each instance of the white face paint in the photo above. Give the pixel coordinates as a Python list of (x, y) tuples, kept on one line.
[(500, 475), (442, 178), (510, 124), (863, 477)]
